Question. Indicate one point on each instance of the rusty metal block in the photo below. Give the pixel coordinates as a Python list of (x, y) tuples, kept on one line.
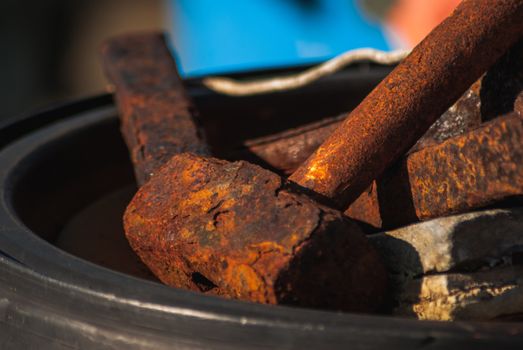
[(239, 231)]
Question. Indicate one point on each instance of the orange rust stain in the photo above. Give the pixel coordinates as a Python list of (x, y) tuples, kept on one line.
[(226, 222), (316, 172), (185, 233), (245, 189), (247, 279), (269, 246), (202, 198)]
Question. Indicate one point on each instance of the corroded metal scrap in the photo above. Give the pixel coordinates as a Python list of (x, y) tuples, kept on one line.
[(157, 117), (389, 202), (499, 91), (462, 173), (286, 150), (237, 230), (230, 229), (402, 107), (473, 170)]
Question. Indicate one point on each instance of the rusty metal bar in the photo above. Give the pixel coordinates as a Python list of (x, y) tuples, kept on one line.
[(403, 106), (157, 117)]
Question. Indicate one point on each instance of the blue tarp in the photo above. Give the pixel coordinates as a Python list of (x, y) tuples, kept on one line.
[(220, 36)]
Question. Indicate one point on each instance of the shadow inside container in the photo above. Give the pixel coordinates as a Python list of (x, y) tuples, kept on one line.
[(404, 269), (96, 234)]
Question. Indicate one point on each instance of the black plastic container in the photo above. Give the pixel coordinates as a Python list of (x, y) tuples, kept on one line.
[(56, 163)]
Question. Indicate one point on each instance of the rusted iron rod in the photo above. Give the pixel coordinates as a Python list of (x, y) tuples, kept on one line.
[(157, 117), (403, 106), (384, 204)]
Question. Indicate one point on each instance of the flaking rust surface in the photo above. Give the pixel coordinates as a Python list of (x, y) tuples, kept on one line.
[(157, 117), (249, 234)]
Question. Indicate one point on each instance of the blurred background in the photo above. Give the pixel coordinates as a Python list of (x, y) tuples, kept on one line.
[(50, 48)]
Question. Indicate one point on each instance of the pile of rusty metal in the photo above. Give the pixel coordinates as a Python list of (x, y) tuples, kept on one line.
[(406, 205)]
